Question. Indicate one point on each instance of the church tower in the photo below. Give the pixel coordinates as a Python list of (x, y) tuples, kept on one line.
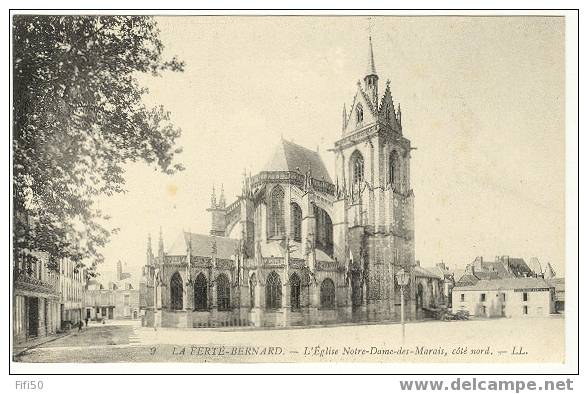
[(374, 198)]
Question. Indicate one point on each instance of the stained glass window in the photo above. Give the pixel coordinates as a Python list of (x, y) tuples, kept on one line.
[(327, 294), (296, 222), (200, 293), (357, 167), (177, 292), (273, 291), (276, 214), (223, 293), (295, 291), (324, 231)]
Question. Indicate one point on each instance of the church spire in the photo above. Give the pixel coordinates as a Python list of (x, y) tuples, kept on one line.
[(371, 64), (344, 117), (160, 249), (149, 250), (371, 78), (213, 198), (149, 243)]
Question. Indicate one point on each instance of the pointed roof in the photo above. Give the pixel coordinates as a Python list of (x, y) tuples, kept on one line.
[(371, 70), (289, 156), (549, 272), (535, 265), (160, 243), (518, 266)]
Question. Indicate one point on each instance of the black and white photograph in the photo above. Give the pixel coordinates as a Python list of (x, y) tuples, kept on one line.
[(202, 189)]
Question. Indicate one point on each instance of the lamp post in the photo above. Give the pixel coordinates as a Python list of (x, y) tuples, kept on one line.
[(402, 278)]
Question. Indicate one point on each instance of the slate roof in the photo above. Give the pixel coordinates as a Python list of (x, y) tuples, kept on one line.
[(426, 273), (371, 70), (457, 274), (202, 245), (497, 267), (508, 284), (274, 249), (289, 156), (466, 280), (487, 275), (518, 266)]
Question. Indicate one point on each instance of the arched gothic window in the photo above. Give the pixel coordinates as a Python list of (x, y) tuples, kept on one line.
[(327, 294), (252, 284), (177, 292), (324, 231), (357, 167), (296, 218), (276, 213), (359, 113), (295, 291), (393, 168), (200, 293), (223, 293), (273, 291)]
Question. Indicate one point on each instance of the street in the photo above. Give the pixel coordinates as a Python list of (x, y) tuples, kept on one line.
[(488, 340)]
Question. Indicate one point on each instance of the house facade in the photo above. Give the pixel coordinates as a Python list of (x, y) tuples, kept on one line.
[(72, 288), (513, 297), (118, 301), (36, 297)]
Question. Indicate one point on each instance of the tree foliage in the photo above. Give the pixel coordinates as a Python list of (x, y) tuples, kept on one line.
[(79, 118)]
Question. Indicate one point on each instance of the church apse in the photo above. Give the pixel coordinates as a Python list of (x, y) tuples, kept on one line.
[(298, 246)]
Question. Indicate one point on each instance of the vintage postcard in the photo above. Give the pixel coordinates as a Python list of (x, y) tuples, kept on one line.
[(326, 189)]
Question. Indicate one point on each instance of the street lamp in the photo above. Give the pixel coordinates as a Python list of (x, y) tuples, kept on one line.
[(402, 278)]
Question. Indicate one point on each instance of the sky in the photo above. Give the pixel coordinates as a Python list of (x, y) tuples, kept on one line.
[(482, 101)]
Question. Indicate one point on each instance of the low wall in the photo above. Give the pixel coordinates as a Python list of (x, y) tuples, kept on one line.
[(263, 318)]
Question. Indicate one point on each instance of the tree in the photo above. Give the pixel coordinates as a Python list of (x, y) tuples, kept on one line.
[(78, 118)]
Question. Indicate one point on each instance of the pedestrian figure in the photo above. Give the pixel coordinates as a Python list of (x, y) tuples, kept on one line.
[(86, 321), (80, 325)]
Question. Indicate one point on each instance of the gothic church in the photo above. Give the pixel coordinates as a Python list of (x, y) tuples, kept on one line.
[(298, 247)]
